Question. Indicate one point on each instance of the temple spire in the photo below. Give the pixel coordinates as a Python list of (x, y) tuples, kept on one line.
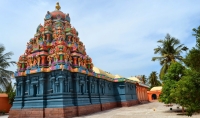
[(58, 6)]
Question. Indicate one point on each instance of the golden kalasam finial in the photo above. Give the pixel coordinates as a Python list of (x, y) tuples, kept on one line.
[(57, 6)]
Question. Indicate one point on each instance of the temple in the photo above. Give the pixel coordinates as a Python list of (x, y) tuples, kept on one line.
[(56, 78)]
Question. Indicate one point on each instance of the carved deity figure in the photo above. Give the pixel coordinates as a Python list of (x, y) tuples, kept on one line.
[(49, 59), (84, 63), (19, 66), (38, 60), (66, 57), (77, 39), (91, 66), (70, 60), (30, 62), (67, 24), (74, 31), (36, 40), (34, 62), (69, 38), (59, 33), (47, 23), (54, 34), (68, 51), (79, 61), (43, 37), (56, 57), (74, 39)]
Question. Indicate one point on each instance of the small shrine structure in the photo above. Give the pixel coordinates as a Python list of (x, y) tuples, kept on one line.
[(56, 78), (154, 93)]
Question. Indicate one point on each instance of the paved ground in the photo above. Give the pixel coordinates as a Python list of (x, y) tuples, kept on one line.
[(139, 111), (4, 116)]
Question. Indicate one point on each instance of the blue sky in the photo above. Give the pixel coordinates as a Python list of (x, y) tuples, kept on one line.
[(119, 35)]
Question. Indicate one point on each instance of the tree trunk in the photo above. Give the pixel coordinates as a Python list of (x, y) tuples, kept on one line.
[(182, 109)]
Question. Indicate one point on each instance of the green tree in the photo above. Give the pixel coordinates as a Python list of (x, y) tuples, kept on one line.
[(173, 75), (153, 79), (192, 59), (169, 51), (5, 62), (10, 90), (144, 79), (187, 91)]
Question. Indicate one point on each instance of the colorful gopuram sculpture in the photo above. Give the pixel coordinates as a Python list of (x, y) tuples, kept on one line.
[(55, 45), (55, 77)]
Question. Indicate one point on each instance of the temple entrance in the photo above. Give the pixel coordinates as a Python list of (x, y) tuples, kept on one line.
[(154, 97)]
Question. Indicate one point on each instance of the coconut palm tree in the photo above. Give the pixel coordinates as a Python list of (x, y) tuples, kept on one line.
[(169, 51), (153, 79), (5, 62), (144, 79)]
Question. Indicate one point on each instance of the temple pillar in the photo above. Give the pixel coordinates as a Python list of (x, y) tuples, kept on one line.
[(53, 84), (61, 80), (77, 84), (66, 85), (41, 80), (75, 60), (18, 90), (43, 61), (38, 91), (69, 83), (56, 86), (28, 86)]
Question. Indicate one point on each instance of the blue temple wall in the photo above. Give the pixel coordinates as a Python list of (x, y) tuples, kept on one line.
[(59, 89), (125, 91)]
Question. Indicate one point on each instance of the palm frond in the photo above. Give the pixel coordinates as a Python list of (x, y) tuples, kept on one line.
[(5, 75), (157, 58)]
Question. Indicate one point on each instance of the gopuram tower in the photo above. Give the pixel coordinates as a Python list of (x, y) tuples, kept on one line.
[(55, 77)]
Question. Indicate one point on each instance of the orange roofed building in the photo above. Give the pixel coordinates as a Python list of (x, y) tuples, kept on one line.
[(154, 93), (4, 103), (141, 89)]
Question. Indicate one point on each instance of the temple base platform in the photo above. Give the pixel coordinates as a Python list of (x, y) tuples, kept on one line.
[(67, 112)]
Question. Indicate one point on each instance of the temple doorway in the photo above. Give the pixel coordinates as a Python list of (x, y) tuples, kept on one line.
[(154, 97)]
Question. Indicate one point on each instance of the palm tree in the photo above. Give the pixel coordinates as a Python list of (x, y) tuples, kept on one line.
[(5, 62), (169, 51), (10, 90), (153, 79), (144, 79)]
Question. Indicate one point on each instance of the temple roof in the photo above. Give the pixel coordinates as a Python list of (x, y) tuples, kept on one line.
[(3, 95), (156, 88), (134, 79), (55, 13), (100, 71), (119, 76), (110, 75)]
